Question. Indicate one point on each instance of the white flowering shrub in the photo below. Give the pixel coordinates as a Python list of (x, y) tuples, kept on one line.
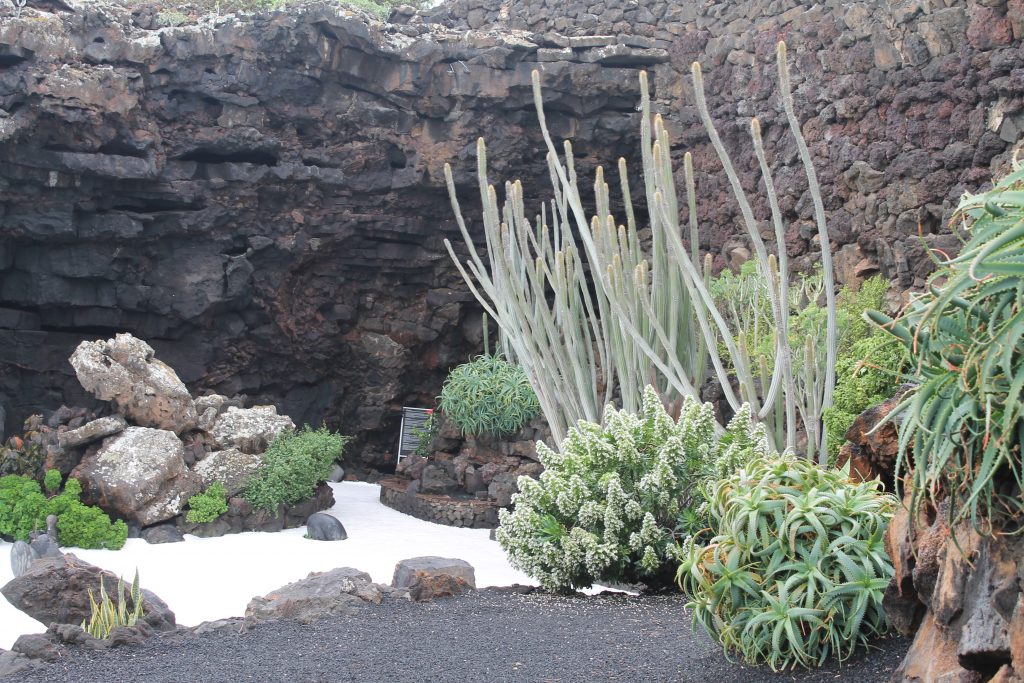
[(614, 504)]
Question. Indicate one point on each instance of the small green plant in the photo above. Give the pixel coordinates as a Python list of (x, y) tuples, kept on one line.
[(792, 568), (293, 465), (52, 481), (84, 526), (869, 373), (963, 423), (171, 18), (208, 505), (23, 507), (106, 616), (488, 395), (425, 435), (613, 504)]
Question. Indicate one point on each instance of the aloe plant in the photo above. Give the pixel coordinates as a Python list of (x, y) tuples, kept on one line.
[(792, 568), (650, 314), (963, 424), (106, 616)]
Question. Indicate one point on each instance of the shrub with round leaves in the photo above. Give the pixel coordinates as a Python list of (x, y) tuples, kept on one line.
[(613, 504), (794, 567), (488, 395)]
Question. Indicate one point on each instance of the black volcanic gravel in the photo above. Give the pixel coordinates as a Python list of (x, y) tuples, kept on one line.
[(490, 635)]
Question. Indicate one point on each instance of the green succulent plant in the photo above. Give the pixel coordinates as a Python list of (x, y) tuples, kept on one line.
[(963, 423), (106, 616), (208, 505), (488, 395), (612, 505), (793, 566)]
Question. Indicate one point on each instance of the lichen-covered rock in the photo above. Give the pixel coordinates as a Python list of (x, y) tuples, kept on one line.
[(434, 577), (144, 389), (56, 590), (231, 467), (92, 431), (319, 595), (140, 475), (249, 429)]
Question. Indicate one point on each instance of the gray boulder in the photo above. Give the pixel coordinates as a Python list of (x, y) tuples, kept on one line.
[(324, 527), (92, 431), (249, 429), (140, 474), (232, 467), (56, 590), (161, 533), (321, 594), (22, 557), (145, 390), (429, 577)]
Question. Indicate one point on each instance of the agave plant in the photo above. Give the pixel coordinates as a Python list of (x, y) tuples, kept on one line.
[(963, 424), (106, 616), (793, 567)]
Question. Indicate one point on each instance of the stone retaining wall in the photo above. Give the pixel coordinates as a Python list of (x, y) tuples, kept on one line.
[(472, 514)]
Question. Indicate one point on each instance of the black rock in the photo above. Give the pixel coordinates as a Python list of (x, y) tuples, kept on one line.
[(323, 527), (162, 533)]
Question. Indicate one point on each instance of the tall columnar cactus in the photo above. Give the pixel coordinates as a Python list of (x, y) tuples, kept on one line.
[(576, 343)]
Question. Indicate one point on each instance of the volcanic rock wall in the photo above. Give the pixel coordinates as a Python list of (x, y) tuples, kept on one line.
[(261, 197)]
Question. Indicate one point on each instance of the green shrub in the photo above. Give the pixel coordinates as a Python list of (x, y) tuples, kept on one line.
[(24, 508), (865, 376), (963, 423), (793, 567), (105, 616), (611, 505), (208, 505), (488, 395), (295, 462), (52, 481), (85, 526)]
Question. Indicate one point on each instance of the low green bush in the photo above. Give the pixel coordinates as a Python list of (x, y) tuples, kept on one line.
[(488, 395), (868, 374), (793, 566), (85, 526), (613, 504), (208, 505), (24, 508), (293, 465)]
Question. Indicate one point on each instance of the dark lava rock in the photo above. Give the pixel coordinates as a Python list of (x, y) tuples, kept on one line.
[(324, 527)]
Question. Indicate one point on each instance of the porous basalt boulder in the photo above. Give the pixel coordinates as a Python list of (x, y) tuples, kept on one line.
[(959, 594), (231, 467), (124, 370), (321, 594), (430, 577), (139, 474), (92, 431), (56, 590), (249, 430)]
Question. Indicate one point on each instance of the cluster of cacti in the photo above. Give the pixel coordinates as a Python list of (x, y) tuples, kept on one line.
[(582, 345), (106, 616), (612, 505)]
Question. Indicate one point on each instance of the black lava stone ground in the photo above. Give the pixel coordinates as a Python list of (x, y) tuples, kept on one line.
[(486, 636)]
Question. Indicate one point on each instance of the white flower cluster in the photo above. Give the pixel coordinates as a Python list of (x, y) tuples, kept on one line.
[(607, 506)]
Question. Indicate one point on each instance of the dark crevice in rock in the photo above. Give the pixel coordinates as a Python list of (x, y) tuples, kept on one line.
[(209, 156)]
